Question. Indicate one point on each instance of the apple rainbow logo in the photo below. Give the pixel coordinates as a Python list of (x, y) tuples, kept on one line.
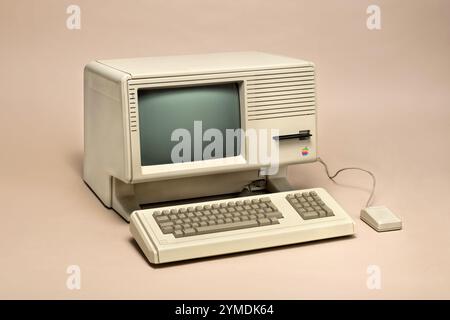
[(305, 151)]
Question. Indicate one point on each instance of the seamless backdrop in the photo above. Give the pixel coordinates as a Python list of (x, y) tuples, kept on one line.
[(383, 105)]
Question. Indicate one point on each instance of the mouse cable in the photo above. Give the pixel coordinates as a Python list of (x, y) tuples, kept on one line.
[(331, 177)]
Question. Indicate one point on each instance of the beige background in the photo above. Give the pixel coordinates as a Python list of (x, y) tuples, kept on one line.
[(384, 105)]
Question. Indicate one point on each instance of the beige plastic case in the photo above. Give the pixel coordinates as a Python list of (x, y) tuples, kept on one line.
[(275, 92)]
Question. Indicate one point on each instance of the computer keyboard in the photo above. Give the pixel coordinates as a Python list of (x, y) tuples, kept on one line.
[(232, 225)]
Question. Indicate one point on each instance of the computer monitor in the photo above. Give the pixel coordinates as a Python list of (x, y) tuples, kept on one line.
[(171, 128), (164, 112)]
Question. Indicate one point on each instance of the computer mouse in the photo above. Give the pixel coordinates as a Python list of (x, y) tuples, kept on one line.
[(381, 218)]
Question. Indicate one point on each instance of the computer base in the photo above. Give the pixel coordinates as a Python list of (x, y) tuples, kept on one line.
[(127, 198)]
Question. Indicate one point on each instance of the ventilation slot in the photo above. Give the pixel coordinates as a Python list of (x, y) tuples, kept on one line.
[(281, 95), (133, 110)]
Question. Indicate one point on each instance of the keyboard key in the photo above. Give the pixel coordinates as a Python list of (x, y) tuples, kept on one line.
[(189, 232), (227, 227), (161, 219), (178, 233), (328, 211), (166, 230), (274, 214), (274, 220), (310, 215), (166, 224), (264, 222)]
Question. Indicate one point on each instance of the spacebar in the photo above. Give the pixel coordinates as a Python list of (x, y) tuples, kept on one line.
[(227, 226)]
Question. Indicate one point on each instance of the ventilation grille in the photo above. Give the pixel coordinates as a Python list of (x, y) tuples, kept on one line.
[(281, 95), (132, 103), (275, 93)]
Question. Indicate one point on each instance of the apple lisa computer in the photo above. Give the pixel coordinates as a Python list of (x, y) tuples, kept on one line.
[(193, 151)]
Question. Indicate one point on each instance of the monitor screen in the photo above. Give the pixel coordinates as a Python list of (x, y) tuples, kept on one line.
[(197, 108)]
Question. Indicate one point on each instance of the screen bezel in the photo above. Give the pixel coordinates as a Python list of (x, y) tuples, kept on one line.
[(164, 171)]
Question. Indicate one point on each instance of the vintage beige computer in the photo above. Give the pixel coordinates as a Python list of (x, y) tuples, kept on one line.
[(153, 152)]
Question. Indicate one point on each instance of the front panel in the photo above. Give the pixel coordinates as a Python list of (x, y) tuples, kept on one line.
[(282, 99)]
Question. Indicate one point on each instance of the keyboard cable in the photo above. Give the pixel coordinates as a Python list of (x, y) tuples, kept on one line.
[(331, 177)]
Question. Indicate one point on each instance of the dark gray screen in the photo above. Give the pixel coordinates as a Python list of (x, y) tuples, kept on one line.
[(161, 111)]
